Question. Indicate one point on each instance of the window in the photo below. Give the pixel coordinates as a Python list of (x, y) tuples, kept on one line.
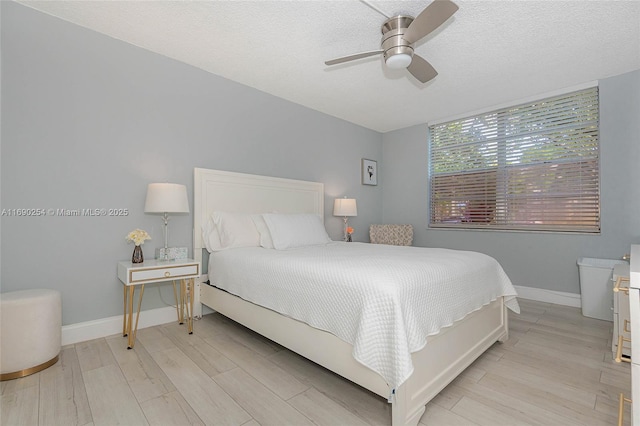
[(528, 167)]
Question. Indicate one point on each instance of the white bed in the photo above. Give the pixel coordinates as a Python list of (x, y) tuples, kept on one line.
[(436, 364)]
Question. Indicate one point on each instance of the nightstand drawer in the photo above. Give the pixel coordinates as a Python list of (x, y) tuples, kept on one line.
[(169, 273)]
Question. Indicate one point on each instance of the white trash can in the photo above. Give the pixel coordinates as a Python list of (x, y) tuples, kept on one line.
[(596, 287)]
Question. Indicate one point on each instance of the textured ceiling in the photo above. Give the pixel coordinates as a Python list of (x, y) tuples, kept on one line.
[(489, 53)]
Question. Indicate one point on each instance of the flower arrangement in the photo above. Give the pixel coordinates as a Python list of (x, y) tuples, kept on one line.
[(138, 236), (349, 232)]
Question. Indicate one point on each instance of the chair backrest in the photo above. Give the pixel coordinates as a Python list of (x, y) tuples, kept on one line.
[(397, 235)]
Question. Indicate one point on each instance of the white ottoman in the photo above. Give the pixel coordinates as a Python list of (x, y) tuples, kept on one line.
[(31, 331)]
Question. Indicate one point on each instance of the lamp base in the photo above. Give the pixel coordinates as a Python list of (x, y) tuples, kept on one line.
[(172, 253), (345, 236)]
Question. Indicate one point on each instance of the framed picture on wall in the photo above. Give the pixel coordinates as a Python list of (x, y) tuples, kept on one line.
[(369, 172)]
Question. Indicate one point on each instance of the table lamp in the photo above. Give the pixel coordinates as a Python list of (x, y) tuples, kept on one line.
[(345, 207), (166, 199)]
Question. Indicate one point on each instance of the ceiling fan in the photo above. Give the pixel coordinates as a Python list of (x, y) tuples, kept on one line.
[(399, 33)]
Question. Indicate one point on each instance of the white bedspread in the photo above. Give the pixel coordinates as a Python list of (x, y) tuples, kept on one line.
[(384, 300)]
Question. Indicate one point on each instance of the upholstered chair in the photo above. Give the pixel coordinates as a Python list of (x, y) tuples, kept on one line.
[(397, 235)]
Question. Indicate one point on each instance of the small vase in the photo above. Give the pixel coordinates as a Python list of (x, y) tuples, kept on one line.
[(137, 255), (349, 238)]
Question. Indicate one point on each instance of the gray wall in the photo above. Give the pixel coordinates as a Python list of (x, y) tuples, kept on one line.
[(89, 121), (541, 260)]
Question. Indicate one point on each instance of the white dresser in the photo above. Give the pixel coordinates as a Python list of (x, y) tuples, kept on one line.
[(634, 308)]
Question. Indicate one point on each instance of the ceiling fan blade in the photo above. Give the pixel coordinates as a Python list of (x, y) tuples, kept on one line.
[(353, 57), (429, 19), (421, 69)]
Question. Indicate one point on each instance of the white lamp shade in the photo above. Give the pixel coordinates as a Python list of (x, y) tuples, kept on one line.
[(345, 207), (166, 198)]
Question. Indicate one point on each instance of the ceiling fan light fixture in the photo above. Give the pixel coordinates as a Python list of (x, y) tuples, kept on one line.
[(399, 33), (399, 61)]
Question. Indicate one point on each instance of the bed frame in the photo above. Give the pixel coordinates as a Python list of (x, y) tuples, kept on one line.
[(444, 357)]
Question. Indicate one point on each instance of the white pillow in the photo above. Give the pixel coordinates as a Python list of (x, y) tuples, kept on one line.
[(295, 230), (236, 230), (210, 236), (263, 230)]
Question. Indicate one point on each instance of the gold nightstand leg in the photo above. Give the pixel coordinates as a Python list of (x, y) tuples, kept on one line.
[(129, 315), (189, 289), (183, 305), (178, 305), (186, 303), (183, 301), (132, 335), (124, 313)]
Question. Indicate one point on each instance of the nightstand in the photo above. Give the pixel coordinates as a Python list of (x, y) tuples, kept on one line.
[(133, 275)]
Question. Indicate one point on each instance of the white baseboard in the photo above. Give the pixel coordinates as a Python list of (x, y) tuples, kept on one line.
[(549, 296), (89, 330)]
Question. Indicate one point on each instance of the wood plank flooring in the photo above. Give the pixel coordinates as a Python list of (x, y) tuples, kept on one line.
[(556, 369)]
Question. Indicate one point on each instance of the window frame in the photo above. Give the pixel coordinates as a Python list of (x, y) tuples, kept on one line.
[(560, 211)]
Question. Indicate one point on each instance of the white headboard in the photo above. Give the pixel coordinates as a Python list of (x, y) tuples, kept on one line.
[(245, 193)]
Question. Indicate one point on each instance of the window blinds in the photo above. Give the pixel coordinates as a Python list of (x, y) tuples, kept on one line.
[(528, 167)]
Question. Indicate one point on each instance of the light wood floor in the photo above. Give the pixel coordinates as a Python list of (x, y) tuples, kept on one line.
[(556, 369)]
